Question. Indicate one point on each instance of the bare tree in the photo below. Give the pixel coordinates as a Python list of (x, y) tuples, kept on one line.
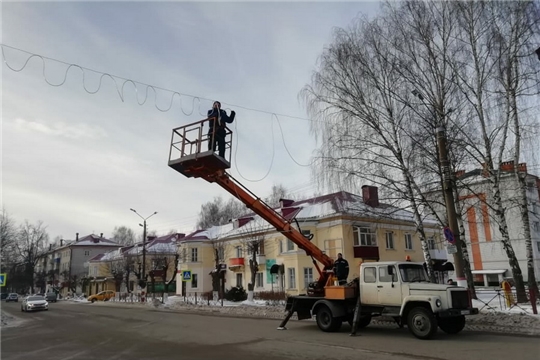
[(30, 244), (123, 235), (278, 192), (218, 212), (252, 241), (219, 248), (8, 238)]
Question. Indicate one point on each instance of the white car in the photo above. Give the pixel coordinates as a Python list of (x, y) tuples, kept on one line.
[(33, 303)]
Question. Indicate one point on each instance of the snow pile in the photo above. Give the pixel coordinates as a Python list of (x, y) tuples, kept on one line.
[(9, 320)]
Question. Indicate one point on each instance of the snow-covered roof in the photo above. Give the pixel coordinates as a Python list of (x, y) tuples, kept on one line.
[(208, 234), (93, 240)]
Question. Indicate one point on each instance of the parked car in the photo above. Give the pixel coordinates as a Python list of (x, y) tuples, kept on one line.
[(51, 296), (12, 297), (33, 303), (102, 296)]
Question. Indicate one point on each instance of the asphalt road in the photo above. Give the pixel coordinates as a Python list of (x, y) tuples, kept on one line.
[(107, 331)]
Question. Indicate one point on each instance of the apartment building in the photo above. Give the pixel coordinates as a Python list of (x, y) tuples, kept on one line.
[(487, 255), (359, 227), (63, 266)]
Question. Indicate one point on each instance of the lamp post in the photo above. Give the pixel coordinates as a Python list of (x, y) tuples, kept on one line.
[(143, 277)]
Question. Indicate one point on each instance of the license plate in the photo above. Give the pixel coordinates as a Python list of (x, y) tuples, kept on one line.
[(465, 312)]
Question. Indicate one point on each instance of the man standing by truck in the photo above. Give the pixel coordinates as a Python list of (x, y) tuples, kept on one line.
[(341, 269)]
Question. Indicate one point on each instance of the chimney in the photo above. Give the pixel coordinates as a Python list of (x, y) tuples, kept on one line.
[(50, 247), (507, 166), (77, 237), (180, 236), (151, 237), (101, 235), (61, 242), (285, 203), (370, 194)]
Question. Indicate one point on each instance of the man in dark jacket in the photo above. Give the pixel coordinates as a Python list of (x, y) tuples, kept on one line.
[(216, 132), (341, 269)]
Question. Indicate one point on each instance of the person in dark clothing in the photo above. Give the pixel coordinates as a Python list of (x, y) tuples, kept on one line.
[(341, 269), (216, 132)]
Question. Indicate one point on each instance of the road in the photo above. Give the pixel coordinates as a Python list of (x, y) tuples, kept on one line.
[(108, 331)]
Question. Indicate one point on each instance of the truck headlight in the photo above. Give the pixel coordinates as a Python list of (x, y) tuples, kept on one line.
[(438, 303)]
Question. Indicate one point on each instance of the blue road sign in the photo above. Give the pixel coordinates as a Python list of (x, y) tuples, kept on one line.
[(2, 279), (449, 235), (186, 275)]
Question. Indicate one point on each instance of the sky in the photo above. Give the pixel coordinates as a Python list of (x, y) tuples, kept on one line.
[(78, 156)]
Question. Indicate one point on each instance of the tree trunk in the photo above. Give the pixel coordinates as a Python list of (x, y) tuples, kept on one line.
[(507, 245), (464, 250), (253, 267)]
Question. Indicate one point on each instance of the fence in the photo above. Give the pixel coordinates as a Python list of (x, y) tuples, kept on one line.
[(498, 300)]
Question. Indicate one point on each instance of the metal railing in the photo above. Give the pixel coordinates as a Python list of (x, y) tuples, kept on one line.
[(497, 299)]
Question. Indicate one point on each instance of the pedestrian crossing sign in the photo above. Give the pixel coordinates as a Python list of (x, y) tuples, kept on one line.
[(186, 275), (2, 279)]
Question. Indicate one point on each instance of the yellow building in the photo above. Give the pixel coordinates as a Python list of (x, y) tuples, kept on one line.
[(359, 227)]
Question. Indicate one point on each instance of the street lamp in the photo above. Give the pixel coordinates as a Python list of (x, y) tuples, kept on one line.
[(143, 277)]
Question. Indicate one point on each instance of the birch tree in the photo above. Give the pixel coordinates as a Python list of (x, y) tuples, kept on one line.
[(31, 243)]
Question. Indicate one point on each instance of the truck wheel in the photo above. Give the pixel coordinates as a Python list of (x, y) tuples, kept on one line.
[(326, 322), (452, 325), (364, 321), (422, 323)]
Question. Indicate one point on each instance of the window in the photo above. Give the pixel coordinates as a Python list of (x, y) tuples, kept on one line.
[(332, 247), (308, 276), (536, 226), (261, 247), (363, 236), (259, 280), (239, 280), (194, 255), (280, 246), (538, 245), (86, 252), (385, 277), (370, 275), (292, 278), (290, 245), (239, 252), (431, 243), (194, 283), (408, 242), (389, 240)]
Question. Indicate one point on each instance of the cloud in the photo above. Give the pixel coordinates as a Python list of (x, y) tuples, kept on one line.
[(61, 129)]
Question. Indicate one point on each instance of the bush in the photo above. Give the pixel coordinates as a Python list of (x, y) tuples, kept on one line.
[(235, 294)]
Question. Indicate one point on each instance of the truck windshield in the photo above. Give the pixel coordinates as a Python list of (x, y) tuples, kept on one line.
[(412, 273)]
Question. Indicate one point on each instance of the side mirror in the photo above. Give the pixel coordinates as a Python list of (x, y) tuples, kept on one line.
[(390, 270)]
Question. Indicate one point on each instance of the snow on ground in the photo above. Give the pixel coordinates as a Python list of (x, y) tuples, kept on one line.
[(9, 320), (493, 300)]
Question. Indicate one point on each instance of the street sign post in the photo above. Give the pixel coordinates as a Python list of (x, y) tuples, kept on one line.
[(186, 275), (451, 249), (3, 278)]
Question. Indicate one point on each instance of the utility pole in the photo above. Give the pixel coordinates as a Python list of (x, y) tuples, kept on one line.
[(142, 282), (450, 205)]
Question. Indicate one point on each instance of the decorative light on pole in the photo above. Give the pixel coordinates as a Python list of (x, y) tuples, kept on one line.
[(142, 283)]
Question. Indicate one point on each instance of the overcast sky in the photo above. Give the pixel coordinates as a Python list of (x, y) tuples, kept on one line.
[(79, 161)]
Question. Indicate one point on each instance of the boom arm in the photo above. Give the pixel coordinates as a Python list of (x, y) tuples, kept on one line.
[(187, 157), (230, 184)]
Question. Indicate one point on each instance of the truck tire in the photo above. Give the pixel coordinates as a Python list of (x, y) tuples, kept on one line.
[(422, 323), (452, 325), (326, 321), (365, 320)]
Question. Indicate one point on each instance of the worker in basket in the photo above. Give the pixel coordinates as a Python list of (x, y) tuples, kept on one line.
[(216, 132)]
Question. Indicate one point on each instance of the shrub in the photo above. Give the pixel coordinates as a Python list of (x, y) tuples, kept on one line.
[(236, 293)]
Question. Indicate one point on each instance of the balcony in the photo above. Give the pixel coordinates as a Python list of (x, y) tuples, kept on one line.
[(366, 252), (236, 262)]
